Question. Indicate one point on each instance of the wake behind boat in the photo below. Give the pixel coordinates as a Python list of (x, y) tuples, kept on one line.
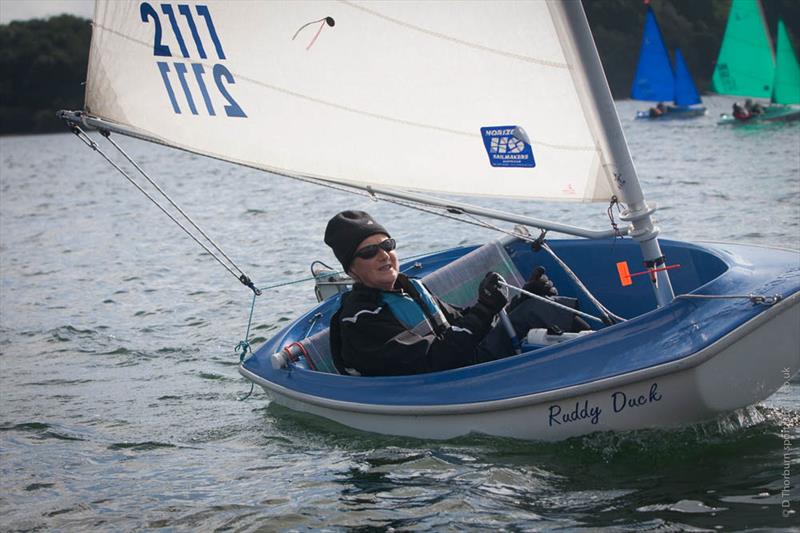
[(292, 89)]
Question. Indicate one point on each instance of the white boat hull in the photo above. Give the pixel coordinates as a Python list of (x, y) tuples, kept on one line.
[(738, 370)]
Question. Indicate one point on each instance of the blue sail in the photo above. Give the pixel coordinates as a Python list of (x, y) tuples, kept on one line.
[(685, 91), (654, 79)]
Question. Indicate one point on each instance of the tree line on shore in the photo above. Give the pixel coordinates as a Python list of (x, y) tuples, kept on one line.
[(43, 61)]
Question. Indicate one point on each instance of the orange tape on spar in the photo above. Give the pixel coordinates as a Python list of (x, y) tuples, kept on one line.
[(625, 276)]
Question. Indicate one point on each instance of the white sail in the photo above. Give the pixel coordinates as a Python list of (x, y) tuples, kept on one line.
[(426, 96)]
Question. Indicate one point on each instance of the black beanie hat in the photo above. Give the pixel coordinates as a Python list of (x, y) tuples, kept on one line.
[(345, 232)]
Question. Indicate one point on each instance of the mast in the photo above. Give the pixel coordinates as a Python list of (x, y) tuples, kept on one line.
[(570, 19)]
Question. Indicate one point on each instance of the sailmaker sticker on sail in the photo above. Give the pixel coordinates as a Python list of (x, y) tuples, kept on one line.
[(507, 146)]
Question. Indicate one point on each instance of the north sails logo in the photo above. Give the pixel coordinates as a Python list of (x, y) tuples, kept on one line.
[(508, 146)]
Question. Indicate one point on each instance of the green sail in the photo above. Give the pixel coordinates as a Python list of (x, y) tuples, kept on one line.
[(787, 73), (745, 65)]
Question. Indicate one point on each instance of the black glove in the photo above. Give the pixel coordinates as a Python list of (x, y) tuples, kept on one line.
[(540, 284), (490, 294)]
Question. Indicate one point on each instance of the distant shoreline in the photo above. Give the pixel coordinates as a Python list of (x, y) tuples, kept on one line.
[(45, 64)]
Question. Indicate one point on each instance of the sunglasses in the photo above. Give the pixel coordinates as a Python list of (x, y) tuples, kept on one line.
[(368, 252)]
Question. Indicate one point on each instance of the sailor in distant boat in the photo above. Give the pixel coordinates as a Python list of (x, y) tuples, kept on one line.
[(741, 113), (390, 324), (754, 108), (658, 110)]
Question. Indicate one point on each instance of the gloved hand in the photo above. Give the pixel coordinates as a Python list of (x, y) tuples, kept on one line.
[(490, 294), (540, 284)]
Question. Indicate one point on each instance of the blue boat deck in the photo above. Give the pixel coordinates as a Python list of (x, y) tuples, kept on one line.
[(649, 338)]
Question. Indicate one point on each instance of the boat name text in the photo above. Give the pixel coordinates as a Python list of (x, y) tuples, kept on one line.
[(619, 401)]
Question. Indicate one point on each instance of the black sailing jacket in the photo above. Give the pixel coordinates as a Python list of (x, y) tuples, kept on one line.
[(368, 337)]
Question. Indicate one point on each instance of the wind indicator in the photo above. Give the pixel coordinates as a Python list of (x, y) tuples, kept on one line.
[(625, 274)]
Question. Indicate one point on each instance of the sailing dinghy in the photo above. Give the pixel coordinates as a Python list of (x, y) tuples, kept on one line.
[(407, 99), (656, 81), (746, 66)]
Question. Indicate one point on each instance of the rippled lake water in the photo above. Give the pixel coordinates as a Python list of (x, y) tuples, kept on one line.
[(119, 394)]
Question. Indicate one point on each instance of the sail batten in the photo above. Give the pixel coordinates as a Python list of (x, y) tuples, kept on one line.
[(467, 98)]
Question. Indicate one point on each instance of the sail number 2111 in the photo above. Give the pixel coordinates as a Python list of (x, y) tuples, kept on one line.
[(190, 84)]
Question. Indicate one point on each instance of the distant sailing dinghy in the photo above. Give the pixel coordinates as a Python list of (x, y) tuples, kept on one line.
[(656, 81), (483, 99), (747, 67)]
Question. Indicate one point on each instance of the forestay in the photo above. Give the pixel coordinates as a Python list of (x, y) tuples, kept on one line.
[(429, 96)]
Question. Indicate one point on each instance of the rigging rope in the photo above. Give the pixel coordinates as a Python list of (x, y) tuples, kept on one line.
[(550, 302), (244, 345), (609, 318), (241, 276), (610, 213)]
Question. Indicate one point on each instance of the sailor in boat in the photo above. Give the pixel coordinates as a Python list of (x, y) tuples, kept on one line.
[(741, 113), (390, 324), (754, 108), (658, 110)]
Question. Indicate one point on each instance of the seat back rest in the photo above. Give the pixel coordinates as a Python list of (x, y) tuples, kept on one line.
[(456, 283), (318, 351)]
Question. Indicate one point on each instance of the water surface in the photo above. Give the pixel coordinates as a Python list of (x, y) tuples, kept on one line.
[(120, 391)]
